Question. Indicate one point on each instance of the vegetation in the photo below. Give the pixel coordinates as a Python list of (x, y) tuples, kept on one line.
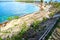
[(44, 19), (0, 38), (56, 5), (24, 29), (36, 24), (9, 18), (51, 14), (19, 36), (12, 17), (5, 32)]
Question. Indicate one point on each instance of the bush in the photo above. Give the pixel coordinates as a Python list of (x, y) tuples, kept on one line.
[(0, 38), (12, 17), (24, 29), (44, 19), (36, 23), (16, 17), (51, 14), (9, 18)]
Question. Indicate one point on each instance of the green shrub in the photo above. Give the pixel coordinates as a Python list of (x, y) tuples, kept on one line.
[(9, 18), (44, 19), (0, 38), (56, 4), (36, 23), (51, 14), (16, 17), (24, 29), (12, 17)]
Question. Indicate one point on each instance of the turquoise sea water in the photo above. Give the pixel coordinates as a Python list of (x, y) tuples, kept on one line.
[(15, 9)]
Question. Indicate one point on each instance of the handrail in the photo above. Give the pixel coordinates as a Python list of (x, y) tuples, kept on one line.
[(48, 29)]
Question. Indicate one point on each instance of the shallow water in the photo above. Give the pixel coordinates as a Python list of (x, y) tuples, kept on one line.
[(15, 9)]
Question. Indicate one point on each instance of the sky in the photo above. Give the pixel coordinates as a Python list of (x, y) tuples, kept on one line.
[(53, 0), (36, 0)]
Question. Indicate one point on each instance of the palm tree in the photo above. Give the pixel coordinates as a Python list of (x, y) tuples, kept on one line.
[(41, 4)]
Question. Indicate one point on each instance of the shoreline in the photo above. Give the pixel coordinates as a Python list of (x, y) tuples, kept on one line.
[(25, 14), (4, 23)]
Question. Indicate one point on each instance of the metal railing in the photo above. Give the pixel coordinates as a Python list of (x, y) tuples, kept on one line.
[(49, 28)]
